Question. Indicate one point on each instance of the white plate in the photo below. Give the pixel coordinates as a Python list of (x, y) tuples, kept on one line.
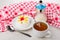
[(17, 27)]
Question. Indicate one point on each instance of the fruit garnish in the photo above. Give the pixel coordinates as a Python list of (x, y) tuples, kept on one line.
[(23, 19)]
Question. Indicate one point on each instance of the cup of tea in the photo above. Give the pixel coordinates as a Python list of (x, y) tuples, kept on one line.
[(40, 29)]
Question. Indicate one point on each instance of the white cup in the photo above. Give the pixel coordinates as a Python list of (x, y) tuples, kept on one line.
[(43, 33)]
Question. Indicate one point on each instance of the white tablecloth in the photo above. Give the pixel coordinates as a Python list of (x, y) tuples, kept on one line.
[(18, 36)]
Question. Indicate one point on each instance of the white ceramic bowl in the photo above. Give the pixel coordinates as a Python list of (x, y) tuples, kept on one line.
[(18, 26)]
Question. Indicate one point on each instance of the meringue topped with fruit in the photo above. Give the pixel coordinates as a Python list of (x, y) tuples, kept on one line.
[(22, 22), (23, 19)]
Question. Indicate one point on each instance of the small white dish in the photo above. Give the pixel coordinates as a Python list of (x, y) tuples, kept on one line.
[(18, 27)]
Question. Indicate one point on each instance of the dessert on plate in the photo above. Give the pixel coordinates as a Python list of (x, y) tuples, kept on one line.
[(22, 22)]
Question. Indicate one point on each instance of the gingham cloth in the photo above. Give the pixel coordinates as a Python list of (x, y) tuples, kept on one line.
[(7, 13)]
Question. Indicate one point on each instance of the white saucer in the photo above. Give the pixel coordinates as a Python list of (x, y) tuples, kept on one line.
[(17, 27)]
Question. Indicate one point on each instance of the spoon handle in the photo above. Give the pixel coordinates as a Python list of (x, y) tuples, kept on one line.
[(18, 31), (26, 34)]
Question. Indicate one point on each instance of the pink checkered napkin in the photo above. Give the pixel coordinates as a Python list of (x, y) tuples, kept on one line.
[(7, 13), (53, 14)]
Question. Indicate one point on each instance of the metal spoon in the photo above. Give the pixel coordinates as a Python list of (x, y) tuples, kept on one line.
[(8, 27)]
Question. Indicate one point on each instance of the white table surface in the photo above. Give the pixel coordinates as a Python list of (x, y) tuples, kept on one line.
[(18, 36)]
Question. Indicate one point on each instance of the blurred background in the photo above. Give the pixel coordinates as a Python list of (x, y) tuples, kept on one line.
[(8, 2)]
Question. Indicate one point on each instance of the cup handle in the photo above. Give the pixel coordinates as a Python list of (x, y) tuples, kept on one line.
[(48, 34)]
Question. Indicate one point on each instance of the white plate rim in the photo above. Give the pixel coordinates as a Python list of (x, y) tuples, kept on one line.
[(31, 25)]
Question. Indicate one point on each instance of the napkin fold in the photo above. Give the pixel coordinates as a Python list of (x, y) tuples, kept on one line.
[(8, 13)]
